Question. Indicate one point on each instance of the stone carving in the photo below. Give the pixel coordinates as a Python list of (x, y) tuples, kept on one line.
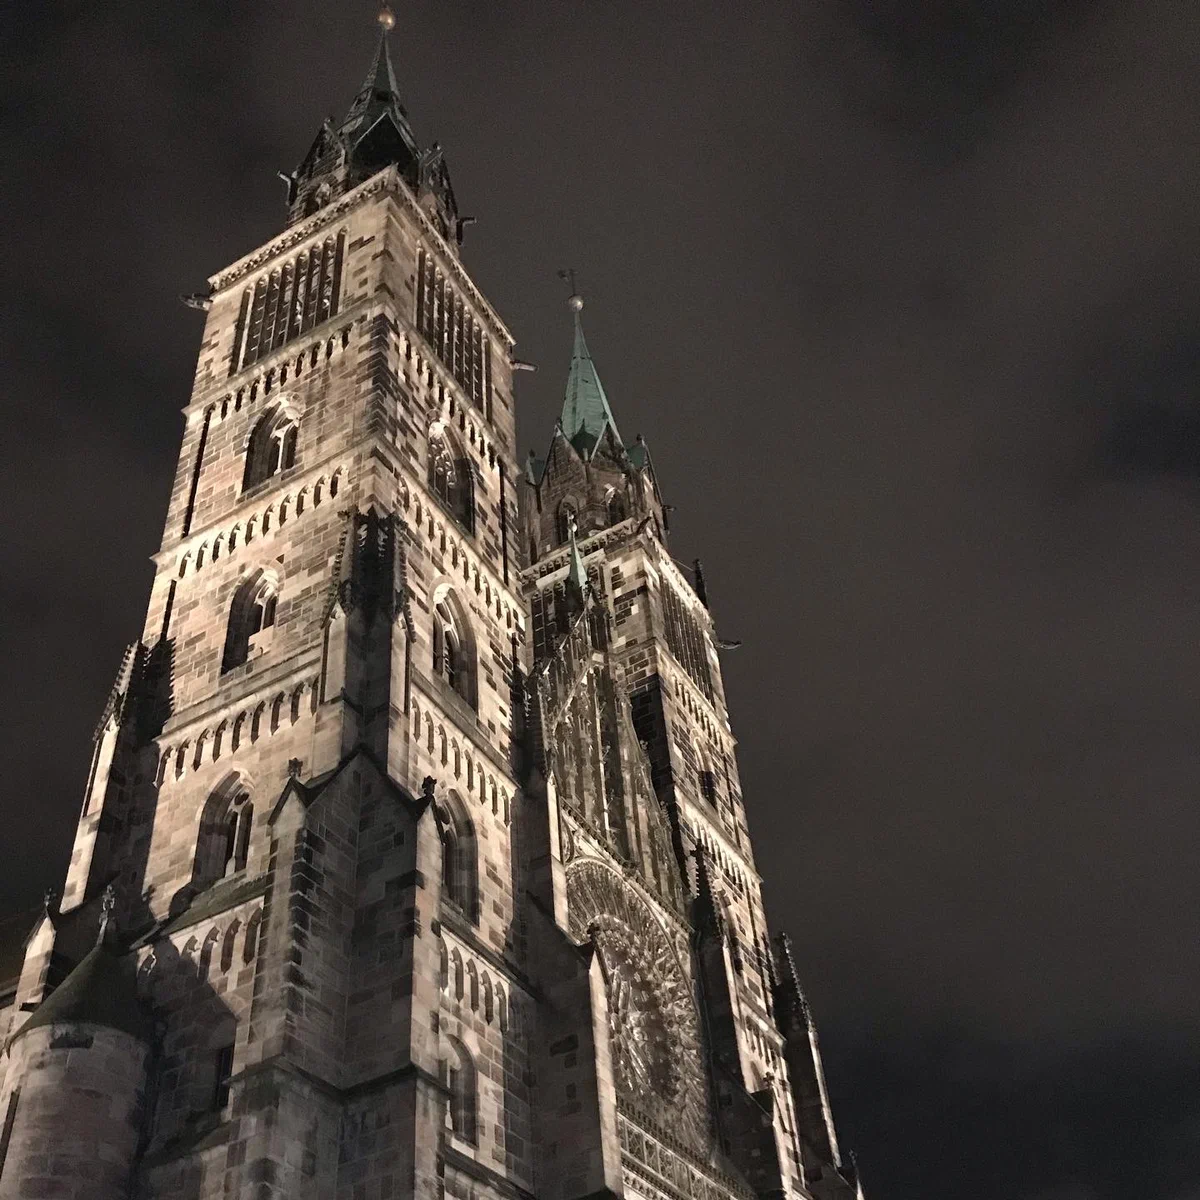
[(652, 1016)]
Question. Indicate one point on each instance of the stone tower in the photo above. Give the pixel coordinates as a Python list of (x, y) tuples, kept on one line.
[(412, 860)]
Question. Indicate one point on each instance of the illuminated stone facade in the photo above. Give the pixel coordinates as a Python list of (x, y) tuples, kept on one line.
[(413, 860)]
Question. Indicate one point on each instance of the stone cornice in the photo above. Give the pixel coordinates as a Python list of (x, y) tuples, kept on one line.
[(209, 392), (559, 559), (250, 503), (296, 669), (458, 1161), (390, 181), (300, 232)]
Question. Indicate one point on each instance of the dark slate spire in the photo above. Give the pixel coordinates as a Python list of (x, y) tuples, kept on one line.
[(375, 134), (379, 96), (585, 413)]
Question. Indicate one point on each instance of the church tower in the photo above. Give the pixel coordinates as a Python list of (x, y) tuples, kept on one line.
[(412, 860)]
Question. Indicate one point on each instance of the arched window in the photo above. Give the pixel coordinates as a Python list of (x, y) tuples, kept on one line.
[(223, 844), (460, 859), (453, 651), (450, 477), (250, 946), (566, 518), (237, 835), (271, 448), (461, 1115), (251, 619), (227, 946), (206, 952), (615, 503)]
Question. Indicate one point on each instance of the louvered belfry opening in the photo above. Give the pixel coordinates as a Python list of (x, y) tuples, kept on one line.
[(454, 334), (288, 302)]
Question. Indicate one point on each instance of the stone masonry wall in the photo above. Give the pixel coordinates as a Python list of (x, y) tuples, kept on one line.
[(320, 981), (96, 1075)]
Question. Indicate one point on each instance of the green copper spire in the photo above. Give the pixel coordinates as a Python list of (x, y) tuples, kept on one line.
[(585, 413), (576, 572)]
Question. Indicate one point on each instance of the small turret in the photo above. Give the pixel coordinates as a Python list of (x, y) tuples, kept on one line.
[(72, 1105), (824, 1170)]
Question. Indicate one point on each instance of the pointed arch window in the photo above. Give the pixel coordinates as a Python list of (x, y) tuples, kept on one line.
[(237, 835), (223, 845), (462, 1110), (251, 620), (271, 449), (289, 301), (453, 333), (614, 502), (460, 859), (565, 520), (453, 658), (451, 479)]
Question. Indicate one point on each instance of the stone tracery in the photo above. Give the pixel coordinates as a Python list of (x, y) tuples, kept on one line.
[(652, 1016)]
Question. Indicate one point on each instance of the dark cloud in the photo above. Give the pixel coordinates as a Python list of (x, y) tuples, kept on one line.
[(960, 1115), (905, 298)]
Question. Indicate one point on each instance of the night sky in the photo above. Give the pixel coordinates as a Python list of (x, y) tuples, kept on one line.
[(905, 298)]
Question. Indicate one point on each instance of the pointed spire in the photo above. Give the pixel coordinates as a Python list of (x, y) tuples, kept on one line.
[(791, 1004), (700, 585), (380, 93), (576, 572), (585, 413), (382, 78)]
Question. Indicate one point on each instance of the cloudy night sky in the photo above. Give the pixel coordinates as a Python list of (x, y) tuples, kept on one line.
[(905, 298)]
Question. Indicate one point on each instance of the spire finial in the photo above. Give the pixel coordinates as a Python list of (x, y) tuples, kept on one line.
[(585, 414), (386, 18), (575, 300)]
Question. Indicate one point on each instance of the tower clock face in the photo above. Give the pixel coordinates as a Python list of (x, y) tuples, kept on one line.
[(652, 1018)]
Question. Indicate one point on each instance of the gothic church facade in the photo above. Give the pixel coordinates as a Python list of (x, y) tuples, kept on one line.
[(413, 860)]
